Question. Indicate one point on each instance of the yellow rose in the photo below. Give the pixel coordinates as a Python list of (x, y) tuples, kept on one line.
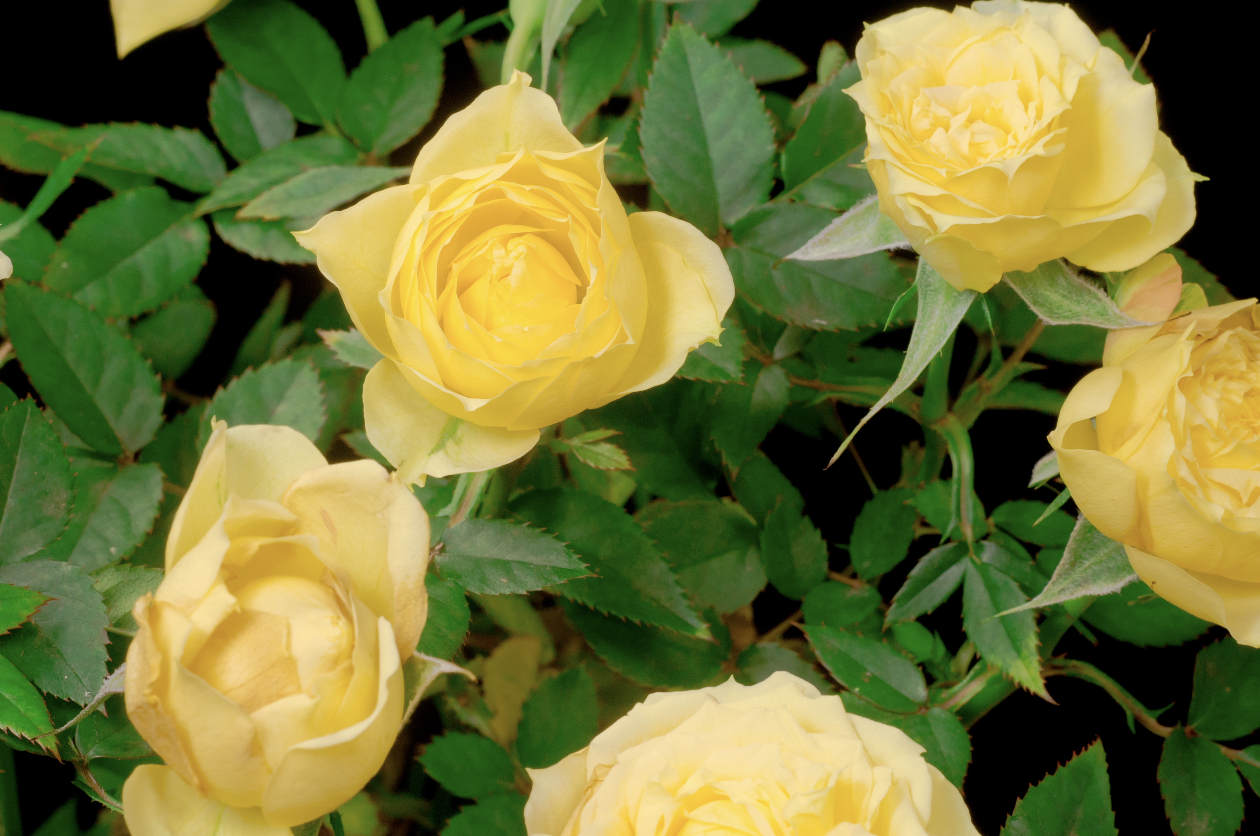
[(1161, 450), (6, 266), (777, 757), (508, 290), (1005, 135), (266, 671), (138, 21)]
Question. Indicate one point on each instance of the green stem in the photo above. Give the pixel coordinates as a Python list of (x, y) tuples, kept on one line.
[(373, 24), (936, 386), (973, 400), (10, 814)]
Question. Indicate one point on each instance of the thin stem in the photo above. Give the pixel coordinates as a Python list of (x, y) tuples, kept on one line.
[(10, 814), (976, 397), (844, 433), (781, 628), (373, 24), (88, 778), (6, 349)]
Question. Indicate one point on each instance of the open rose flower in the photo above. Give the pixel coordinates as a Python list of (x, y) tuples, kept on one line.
[(508, 290), (1006, 135)]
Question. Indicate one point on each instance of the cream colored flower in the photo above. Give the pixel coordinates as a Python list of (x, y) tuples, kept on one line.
[(1005, 135), (773, 758), (138, 21), (508, 290), (266, 671), (1161, 450), (6, 266)]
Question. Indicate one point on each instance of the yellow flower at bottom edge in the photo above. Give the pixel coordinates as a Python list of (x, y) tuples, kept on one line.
[(266, 671), (1161, 450), (777, 757), (139, 21), (508, 290)]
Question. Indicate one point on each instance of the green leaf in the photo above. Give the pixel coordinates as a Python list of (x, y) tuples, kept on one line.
[(716, 363), (745, 414), (89, 374), (172, 337), (31, 250), (762, 61), (35, 482), (180, 156), (715, 17), (713, 547), (1020, 518), (120, 588), (833, 604), (1226, 681), (110, 735), (1008, 641), (316, 191), (247, 120), (17, 604), (708, 143), (930, 583), (53, 187), (596, 59), (277, 166), (869, 668), (128, 254), (649, 655), (283, 50), (468, 765), (833, 128), (1092, 564), (352, 348), (266, 240), (22, 710), (175, 448), (591, 450), (1075, 800), (20, 152), (1249, 770), (633, 580), (882, 533), (760, 485), (258, 346), (1060, 297), (792, 551), (287, 392), (938, 731), (1201, 789), (391, 95), (559, 718), (1138, 616), (502, 815), (555, 19), (1193, 271), (497, 557), (62, 648), (1025, 394), (114, 508), (861, 230), (448, 618), (759, 661)]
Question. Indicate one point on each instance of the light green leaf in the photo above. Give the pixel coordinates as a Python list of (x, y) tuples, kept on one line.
[(558, 719), (861, 230), (1060, 297), (869, 668), (649, 655), (1226, 681), (469, 765), (745, 414), (792, 551), (172, 337), (22, 710), (267, 240), (832, 129), (882, 533), (53, 187), (283, 50), (1201, 789), (497, 557), (930, 583), (834, 604), (352, 348), (128, 254), (121, 586), (257, 347), (114, 508), (391, 95), (596, 58), (89, 374), (938, 731), (1092, 564), (180, 156), (591, 450), (715, 17), (287, 392), (502, 815), (20, 152), (1009, 642), (715, 363), (247, 120), (555, 19), (1075, 800), (762, 61), (708, 143), (316, 191), (1046, 468), (448, 618), (35, 482), (17, 604), (276, 166)]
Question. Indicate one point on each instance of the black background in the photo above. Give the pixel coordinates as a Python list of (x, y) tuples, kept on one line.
[(61, 65)]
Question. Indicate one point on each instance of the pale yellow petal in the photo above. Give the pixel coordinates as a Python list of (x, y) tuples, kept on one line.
[(557, 792), (1235, 605), (157, 802), (508, 117), (422, 440), (138, 21), (950, 816), (960, 263)]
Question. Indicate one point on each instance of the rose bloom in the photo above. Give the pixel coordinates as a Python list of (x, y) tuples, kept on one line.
[(508, 290), (266, 670), (777, 757), (138, 21), (1005, 135), (1161, 450)]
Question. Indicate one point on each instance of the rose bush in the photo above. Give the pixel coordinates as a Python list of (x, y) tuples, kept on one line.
[(776, 757), (508, 290), (266, 670), (1006, 135)]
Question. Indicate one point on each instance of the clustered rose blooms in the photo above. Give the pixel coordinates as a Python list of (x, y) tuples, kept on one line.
[(508, 290), (1161, 450), (777, 757), (138, 21), (1006, 135), (266, 671)]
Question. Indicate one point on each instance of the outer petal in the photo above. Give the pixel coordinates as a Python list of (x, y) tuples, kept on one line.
[(375, 530), (689, 289), (1235, 605), (422, 440), (557, 792), (137, 21), (6, 266), (950, 816), (354, 247), (504, 118), (254, 461), (157, 802), (960, 263)]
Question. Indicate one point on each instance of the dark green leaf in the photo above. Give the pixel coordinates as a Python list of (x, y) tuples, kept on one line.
[(469, 765), (938, 731), (633, 581), (930, 583), (110, 735), (31, 250), (326, 313), (352, 348), (114, 508), (391, 95), (35, 482), (247, 120), (1226, 682), (1249, 770), (559, 718), (833, 604), (257, 347), (62, 648), (762, 61), (745, 414), (277, 166), (448, 618), (715, 17), (22, 710), (1019, 517), (1005, 554), (281, 49), (53, 187), (1009, 641), (792, 551), (121, 586), (316, 191), (88, 373), (649, 655), (869, 668), (833, 128), (497, 557), (1075, 800), (718, 363), (592, 451), (172, 337), (759, 661), (502, 815), (708, 143), (760, 485), (180, 156), (267, 240), (128, 254), (287, 392), (175, 448), (596, 59), (19, 151), (1025, 394), (1202, 791), (1138, 616), (882, 533), (17, 604)]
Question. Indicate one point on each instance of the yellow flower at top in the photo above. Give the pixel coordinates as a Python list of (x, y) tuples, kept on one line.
[(139, 21)]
